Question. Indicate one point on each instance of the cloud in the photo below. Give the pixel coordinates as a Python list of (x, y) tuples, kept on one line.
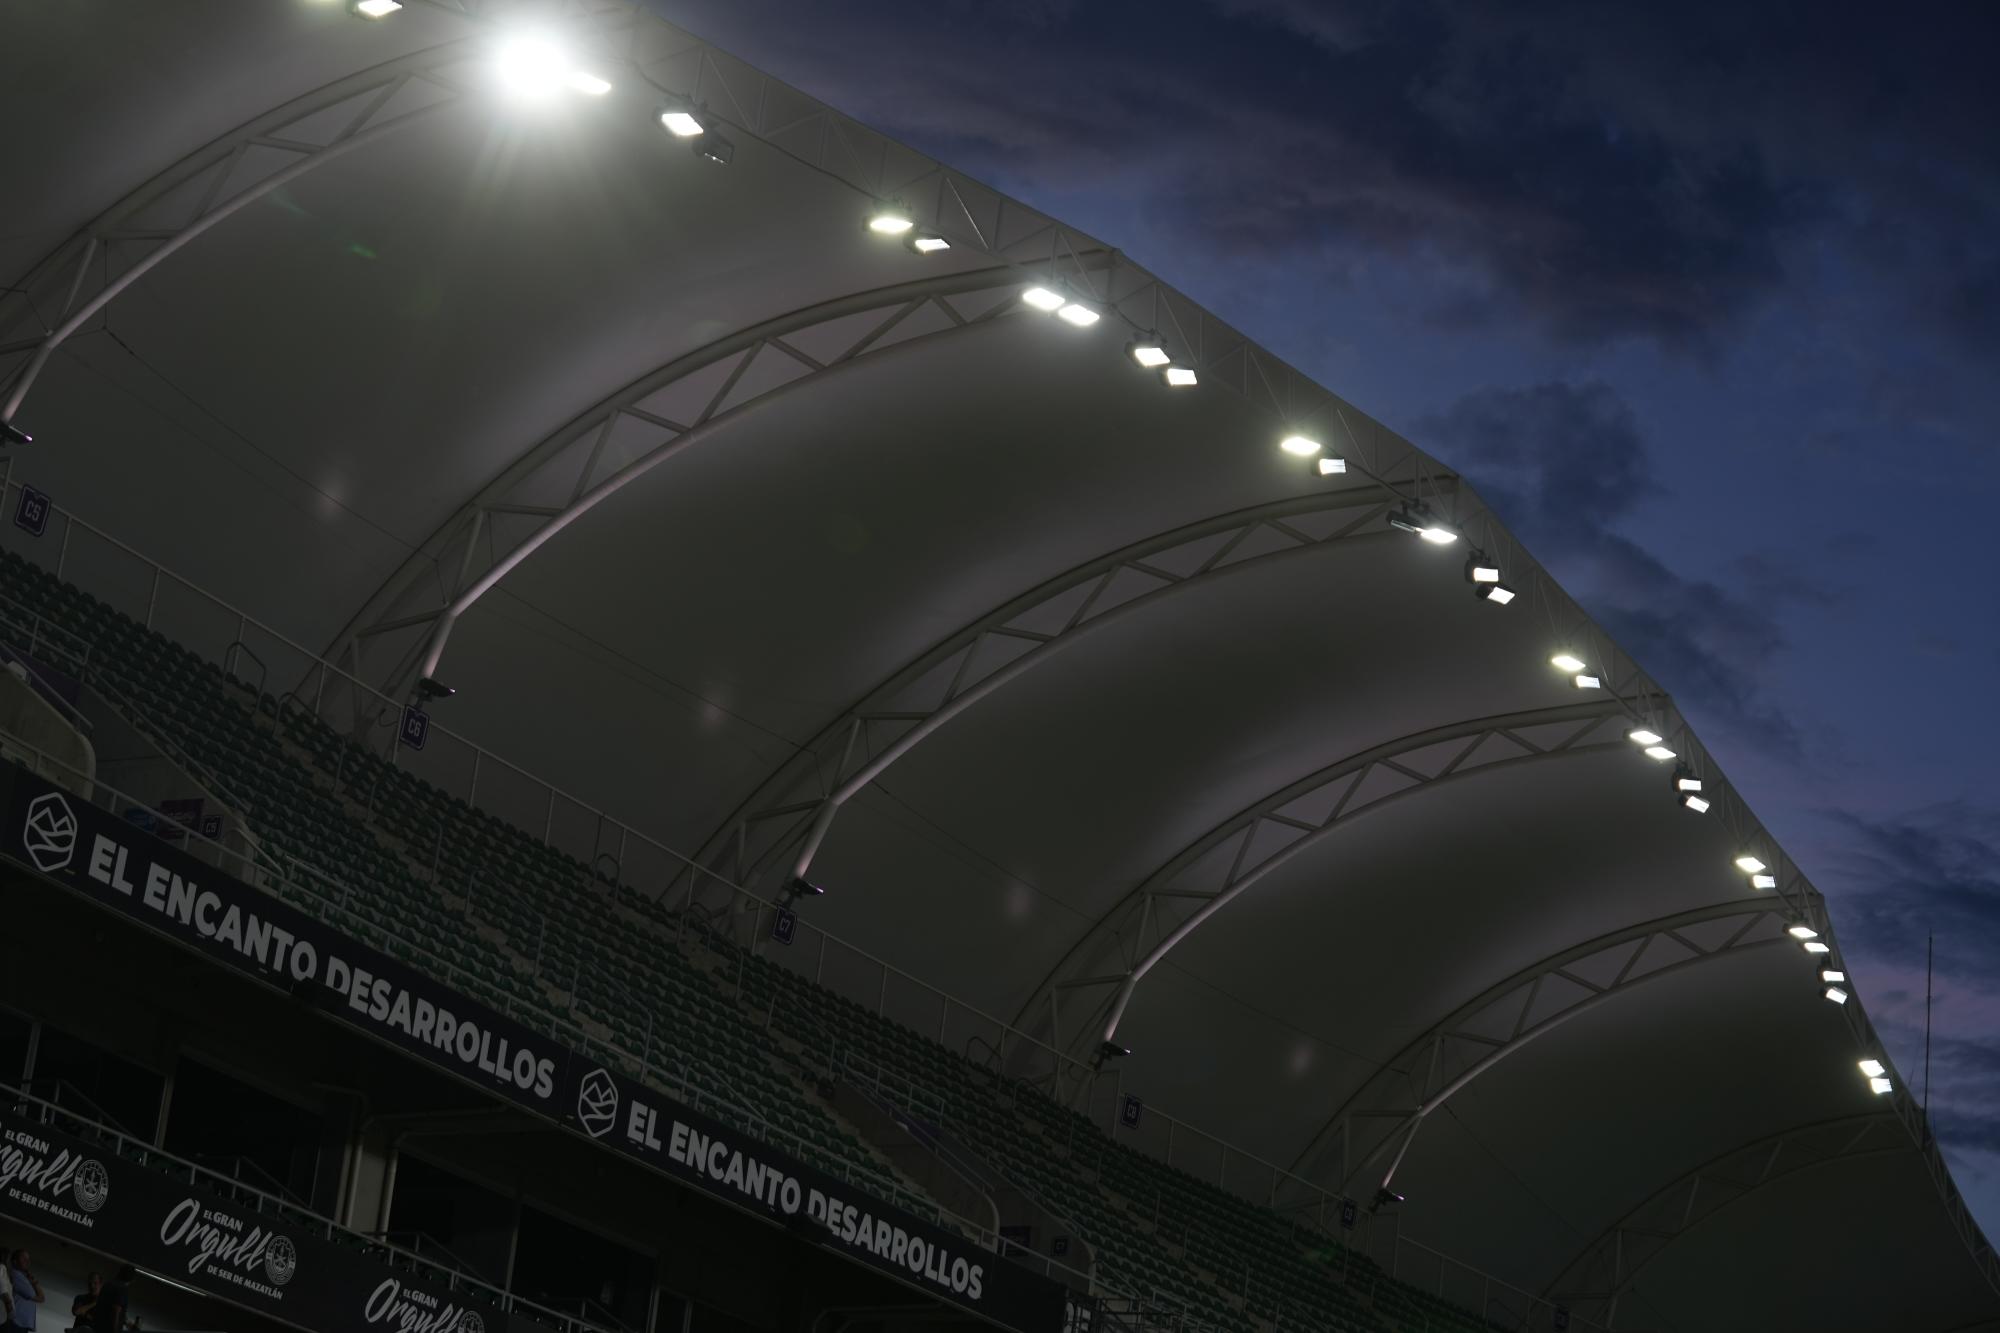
[(1932, 870), (1599, 171), (1562, 464)]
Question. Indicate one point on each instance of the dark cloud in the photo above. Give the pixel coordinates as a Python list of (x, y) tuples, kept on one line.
[(1562, 464), (1934, 870), (1598, 170)]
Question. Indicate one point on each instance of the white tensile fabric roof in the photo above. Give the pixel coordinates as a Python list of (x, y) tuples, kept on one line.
[(763, 496)]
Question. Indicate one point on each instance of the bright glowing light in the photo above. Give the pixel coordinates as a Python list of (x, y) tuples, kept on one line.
[(1749, 865), (1332, 467), (682, 123), (1641, 736), (1302, 445), (926, 244), (1764, 881), (1584, 681), (1149, 354), (1687, 784), (1802, 932), (1814, 946), (1080, 315), (588, 84), (1041, 298), (1179, 377), (1499, 594), (890, 222), (1878, 1086), (532, 66), (1567, 662), (1481, 572), (1438, 536), (1832, 976), (1871, 1068), (1659, 752), (1836, 994), (376, 9), (1694, 803)]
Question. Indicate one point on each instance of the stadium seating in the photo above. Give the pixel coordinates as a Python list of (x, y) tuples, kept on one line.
[(544, 937)]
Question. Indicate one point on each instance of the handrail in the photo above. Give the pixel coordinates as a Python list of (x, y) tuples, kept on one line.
[(146, 1154), (692, 870)]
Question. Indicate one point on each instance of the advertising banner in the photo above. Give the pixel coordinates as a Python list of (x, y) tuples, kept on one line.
[(117, 865), (83, 1192)]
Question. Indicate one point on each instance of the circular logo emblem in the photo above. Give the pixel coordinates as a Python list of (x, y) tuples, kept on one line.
[(280, 1261), (91, 1185), (597, 1103), (470, 1322), (49, 837)]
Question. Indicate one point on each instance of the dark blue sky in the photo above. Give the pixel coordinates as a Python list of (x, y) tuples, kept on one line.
[(1704, 297)]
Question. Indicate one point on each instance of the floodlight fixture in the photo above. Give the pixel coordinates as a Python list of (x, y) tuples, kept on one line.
[(1836, 994), (1685, 780), (1567, 661), (1332, 467), (1079, 314), (590, 85), (432, 688), (1478, 569), (1764, 881), (1802, 932), (1179, 377), (1695, 803), (926, 243), (714, 148), (890, 220), (1586, 681), (1148, 352), (683, 123), (1111, 1050), (1418, 519), (374, 9), (1641, 736), (531, 65), (1041, 298), (1815, 947), (1497, 593), (1871, 1068), (13, 434), (1878, 1086), (1659, 753), (1302, 446), (1749, 864), (1833, 976)]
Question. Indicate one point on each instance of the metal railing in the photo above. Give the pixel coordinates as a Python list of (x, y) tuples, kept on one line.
[(740, 908), (146, 1155)]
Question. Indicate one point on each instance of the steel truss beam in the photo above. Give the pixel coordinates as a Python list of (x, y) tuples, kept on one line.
[(1388, 1109), (1593, 1284), (77, 281), (1137, 933), (799, 798), (468, 555)]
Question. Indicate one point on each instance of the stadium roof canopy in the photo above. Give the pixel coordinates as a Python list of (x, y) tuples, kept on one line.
[(1100, 700)]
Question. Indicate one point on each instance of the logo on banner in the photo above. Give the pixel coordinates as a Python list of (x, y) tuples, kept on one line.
[(49, 836), (280, 1261), (92, 1185), (597, 1103)]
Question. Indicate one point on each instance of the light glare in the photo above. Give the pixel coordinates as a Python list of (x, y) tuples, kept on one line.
[(1567, 662), (1332, 467), (1749, 865), (1643, 737), (1303, 446), (1871, 1068), (376, 9), (890, 224), (682, 123), (1659, 752), (1041, 298), (532, 66), (1150, 355), (588, 84), (1438, 536), (1080, 315)]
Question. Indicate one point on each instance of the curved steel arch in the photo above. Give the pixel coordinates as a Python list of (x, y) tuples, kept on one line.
[(1527, 1005), (1604, 1271), (802, 794), (659, 439), (1266, 836), (373, 92)]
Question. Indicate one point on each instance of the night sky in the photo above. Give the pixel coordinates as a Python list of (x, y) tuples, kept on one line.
[(1705, 299)]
